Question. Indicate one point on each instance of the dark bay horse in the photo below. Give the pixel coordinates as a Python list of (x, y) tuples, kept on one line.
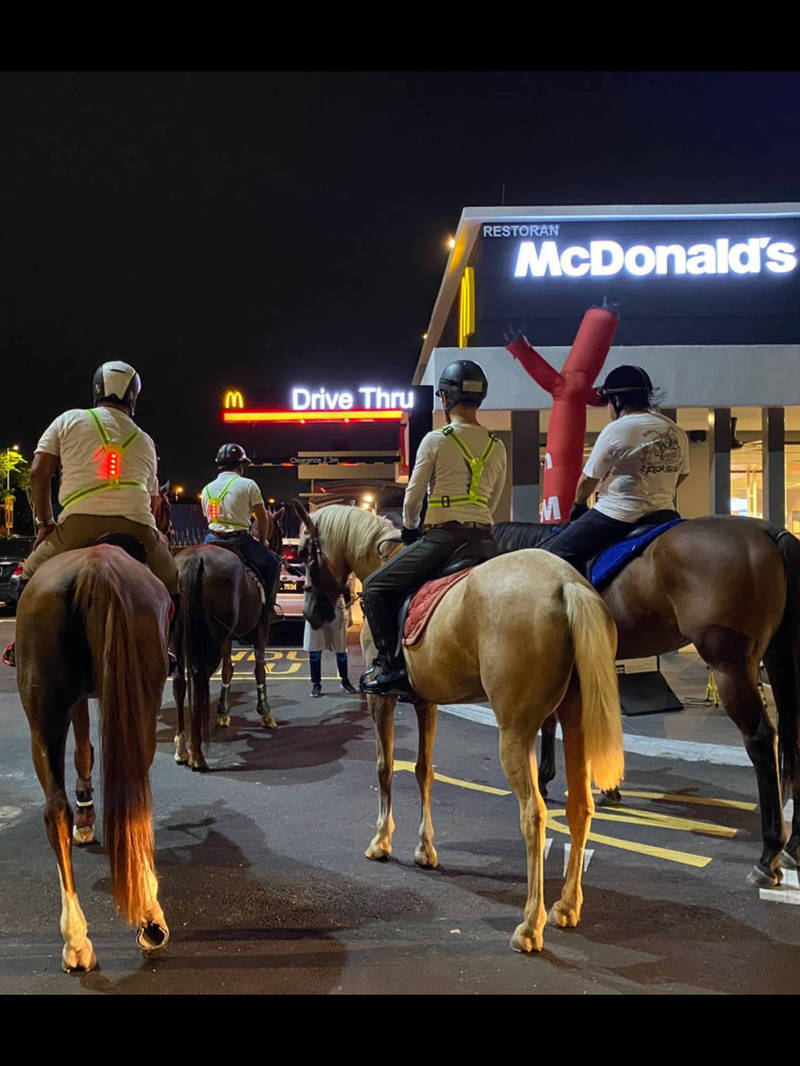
[(731, 587), (220, 601), (94, 622)]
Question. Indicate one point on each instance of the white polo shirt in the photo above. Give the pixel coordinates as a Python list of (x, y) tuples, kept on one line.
[(74, 439), (237, 504), (638, 459)]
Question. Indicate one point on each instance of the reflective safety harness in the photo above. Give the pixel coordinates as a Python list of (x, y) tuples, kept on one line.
[(475, 467), (214, 502), (110, 467)]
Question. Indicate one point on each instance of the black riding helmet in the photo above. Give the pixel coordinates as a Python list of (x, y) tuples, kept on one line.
[(463, 381), (231, 455), (627, 386)]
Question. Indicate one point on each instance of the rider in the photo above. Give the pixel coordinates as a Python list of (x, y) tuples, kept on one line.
[(636, 465), (109, 482), (461, 468), (228, 503)]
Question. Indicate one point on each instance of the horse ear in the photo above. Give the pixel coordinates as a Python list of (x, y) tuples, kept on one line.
[(303, 514), (164, 489)]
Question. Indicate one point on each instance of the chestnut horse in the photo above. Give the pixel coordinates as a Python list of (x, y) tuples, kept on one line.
[(527, 633), (94, 622), (731, 587)]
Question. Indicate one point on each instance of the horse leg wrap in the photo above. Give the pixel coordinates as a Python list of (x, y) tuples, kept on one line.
[(263, 702), (224, 698), (84, 816)]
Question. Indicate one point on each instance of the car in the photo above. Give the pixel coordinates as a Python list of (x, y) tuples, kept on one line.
[(13, 552), (291, 590)]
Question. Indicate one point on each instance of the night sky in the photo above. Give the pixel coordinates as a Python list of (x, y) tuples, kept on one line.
[(270, 229)]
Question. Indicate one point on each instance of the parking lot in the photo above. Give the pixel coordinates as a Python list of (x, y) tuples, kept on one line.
[(266, 889)]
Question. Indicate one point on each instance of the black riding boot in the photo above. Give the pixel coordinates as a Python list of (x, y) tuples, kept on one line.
[(388, 673)]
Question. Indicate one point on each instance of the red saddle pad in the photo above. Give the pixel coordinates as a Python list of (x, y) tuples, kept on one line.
[(425, 603)]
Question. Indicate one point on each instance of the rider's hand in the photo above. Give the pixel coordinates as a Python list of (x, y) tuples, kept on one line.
[(43, 530), (408, 536), (577, 511)]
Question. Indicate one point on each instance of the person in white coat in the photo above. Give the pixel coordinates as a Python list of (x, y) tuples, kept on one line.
[(330, 637)]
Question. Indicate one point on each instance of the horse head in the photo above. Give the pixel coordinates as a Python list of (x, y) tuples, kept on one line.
[(322, 587), (162, 510)]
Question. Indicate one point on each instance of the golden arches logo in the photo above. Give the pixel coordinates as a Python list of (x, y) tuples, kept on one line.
[(233, 398), (466, 309)]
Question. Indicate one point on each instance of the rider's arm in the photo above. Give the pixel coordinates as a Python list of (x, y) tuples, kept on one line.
[(43, 471), (500, 483), (586, 487), (681, 479), (262, 524), (417, 487)]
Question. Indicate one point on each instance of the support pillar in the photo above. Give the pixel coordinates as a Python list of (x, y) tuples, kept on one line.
[(774, 465), (525, 466), (720, 434)]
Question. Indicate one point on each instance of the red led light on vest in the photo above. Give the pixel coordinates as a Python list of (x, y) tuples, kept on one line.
[(112, 464), (213, 510)]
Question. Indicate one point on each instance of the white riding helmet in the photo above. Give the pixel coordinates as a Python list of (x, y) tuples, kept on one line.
[(116, 381)]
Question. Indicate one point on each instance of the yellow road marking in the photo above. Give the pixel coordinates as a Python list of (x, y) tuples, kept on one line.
[(663, 821), (678, 797), (399, 764), (685, 858)]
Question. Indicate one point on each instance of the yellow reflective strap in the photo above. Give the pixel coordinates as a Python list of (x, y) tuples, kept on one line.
[(104, 486), (475, 467)]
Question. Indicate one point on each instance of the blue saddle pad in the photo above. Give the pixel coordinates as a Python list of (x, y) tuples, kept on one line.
[(610, 561)]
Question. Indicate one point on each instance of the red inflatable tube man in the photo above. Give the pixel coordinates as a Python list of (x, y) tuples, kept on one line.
[(572, 390)]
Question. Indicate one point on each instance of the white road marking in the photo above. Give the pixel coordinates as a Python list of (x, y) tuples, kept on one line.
[(9, 815), (657, 747), (587, 857), (789, 891)]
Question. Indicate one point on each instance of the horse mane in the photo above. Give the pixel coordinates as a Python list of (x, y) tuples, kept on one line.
[(355, 532)]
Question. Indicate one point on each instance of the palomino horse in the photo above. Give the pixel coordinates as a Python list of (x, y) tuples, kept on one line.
[(527, 633), (220, 601), (731, 587), (94, 622)]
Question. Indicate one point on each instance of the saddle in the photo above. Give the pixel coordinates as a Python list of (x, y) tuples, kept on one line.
[(231, 546), (422, 600), (605, 566)]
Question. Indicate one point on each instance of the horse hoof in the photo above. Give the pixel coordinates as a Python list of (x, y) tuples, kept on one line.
[(200, 768), (181, 760), (78, 960), (268, 721), (378, 852), (426, 858), (763, 878), (562, 917), (611, 798), (152, 936), (523, 942), (223, 720), (83, 835), (789, 861)]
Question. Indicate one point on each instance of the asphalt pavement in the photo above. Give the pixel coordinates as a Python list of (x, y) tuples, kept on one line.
[(266, 889)]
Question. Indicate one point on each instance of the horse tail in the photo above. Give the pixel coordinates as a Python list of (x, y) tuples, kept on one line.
[(594, 640), (782, 660), (197, 651), (127, 731)]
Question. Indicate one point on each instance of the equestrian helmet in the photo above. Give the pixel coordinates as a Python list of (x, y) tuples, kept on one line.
[(118, 382), (626, 379), (463, 381), (231, 455)]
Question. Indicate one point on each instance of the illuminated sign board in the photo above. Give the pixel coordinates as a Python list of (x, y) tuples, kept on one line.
[(732, 279), (367, 403), (371, 397)]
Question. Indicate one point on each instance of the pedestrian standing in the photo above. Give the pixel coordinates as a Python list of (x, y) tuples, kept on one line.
[(330, 637)]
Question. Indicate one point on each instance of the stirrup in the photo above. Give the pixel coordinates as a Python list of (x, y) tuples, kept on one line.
[(389, 681), (9, 656)]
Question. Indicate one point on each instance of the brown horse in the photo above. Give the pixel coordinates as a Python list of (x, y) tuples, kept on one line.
[(526, 632), (731, 587), (94, 622), (220, 601)]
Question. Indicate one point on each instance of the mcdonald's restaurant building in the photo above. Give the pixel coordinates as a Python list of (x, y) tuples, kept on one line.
[(709, 302)]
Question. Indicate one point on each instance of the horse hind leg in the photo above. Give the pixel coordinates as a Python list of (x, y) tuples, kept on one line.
[(784, 678), (566, 912), (224, 705), (179, 696), (83, 830), (517, 755), (259, 650), (48, 759)]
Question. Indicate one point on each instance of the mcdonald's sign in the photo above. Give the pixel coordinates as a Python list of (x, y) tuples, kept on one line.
[(233, 398)]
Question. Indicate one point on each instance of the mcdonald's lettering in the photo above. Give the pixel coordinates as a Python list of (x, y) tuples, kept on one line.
[(233, 398)]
